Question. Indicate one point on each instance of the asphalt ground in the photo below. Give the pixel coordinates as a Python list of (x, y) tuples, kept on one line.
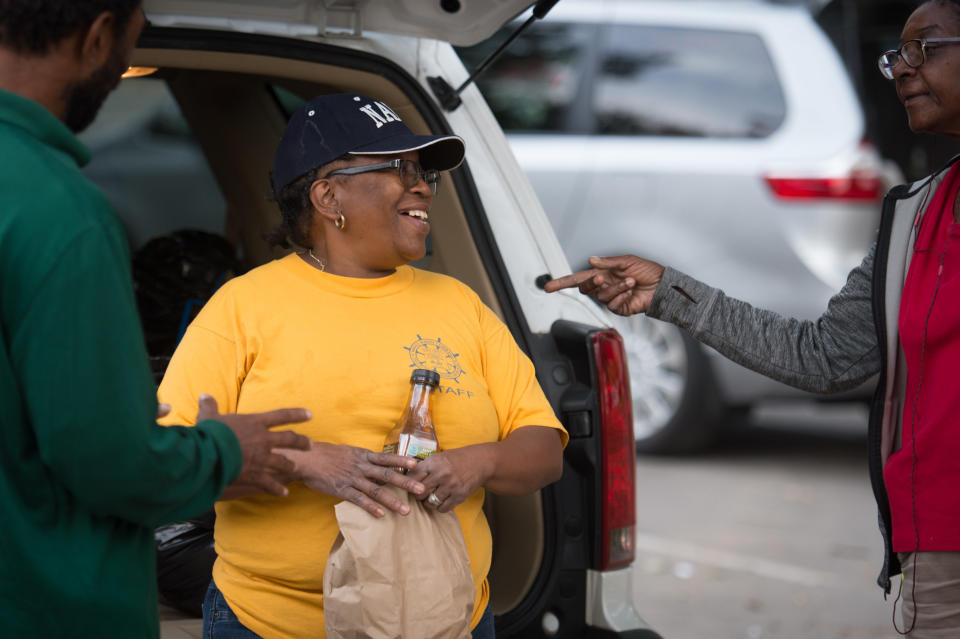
[(770, 534)]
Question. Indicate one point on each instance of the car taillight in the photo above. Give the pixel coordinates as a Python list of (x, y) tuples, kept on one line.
[(859, 185), (618, 453)]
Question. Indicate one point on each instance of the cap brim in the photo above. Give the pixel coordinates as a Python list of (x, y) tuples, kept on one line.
[(441, 152)]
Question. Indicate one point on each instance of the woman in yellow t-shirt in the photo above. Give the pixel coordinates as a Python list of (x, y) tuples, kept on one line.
[(337, 328)]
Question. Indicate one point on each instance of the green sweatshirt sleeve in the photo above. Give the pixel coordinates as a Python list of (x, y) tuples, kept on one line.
[(80, 355)]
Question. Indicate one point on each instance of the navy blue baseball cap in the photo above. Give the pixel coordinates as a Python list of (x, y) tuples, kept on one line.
[(330, 126)]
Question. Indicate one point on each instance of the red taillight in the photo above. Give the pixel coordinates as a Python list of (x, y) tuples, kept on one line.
[(861, 186), (618, 452)]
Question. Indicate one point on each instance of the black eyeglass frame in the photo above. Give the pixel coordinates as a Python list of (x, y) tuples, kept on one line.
[(430, 176), (887, 69)]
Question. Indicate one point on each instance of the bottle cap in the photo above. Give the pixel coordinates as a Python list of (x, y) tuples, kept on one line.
[(425, 376)]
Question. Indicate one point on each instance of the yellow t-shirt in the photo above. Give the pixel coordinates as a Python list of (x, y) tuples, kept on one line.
[(287, 335)]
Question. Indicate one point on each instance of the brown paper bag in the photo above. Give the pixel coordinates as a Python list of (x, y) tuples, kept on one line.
[(400, 576)]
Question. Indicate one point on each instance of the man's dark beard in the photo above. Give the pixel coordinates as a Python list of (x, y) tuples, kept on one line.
[(85, 98)]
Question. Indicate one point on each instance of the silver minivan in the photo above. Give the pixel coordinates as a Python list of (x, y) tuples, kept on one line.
[(721, 138)]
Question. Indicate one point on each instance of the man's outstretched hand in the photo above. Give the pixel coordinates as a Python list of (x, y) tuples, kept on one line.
[(263, 469), (624, 283)]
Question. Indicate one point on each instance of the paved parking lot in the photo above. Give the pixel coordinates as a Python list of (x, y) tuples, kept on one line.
[(770, 535)]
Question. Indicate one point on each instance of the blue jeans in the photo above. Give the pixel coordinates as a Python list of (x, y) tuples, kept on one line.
[(484, 629), (219, 622)]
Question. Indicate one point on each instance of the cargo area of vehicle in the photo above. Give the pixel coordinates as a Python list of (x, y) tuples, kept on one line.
[(227, 118)]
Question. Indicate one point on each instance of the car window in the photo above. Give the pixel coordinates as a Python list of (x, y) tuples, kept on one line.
[(685, 82), (620, 79), (147, 162), (536, 83)]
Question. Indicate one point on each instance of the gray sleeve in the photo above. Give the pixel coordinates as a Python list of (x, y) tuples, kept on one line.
[(835, 352)]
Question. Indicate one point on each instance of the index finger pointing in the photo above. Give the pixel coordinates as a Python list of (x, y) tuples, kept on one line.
[(569, 281)]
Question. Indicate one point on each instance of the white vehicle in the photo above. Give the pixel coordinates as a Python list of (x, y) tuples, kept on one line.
[(190, 144), (721, 138)]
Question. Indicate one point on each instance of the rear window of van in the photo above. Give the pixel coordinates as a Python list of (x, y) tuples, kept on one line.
[(632, 80)]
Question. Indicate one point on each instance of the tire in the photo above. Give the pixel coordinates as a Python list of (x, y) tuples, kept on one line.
[(675, 402)]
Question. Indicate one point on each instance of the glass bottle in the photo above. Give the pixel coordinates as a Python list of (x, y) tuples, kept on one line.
[(414, 436)]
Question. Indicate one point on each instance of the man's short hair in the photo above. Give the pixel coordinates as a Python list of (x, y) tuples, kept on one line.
[(34, 26)]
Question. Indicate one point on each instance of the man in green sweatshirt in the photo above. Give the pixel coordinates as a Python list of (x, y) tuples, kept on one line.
[(85, 471)]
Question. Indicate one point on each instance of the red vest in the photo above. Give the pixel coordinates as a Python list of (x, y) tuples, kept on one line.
[(923, 476)]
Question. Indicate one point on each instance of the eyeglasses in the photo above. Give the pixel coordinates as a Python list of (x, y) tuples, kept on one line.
[(410, 174), (912, 52)]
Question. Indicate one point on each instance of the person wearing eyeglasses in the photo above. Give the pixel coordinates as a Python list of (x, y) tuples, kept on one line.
[(337, 326), (897, 315)]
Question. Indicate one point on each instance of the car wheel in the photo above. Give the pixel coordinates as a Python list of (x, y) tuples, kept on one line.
[(675, 402)]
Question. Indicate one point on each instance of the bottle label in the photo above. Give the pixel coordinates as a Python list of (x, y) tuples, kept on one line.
[(413, 446)]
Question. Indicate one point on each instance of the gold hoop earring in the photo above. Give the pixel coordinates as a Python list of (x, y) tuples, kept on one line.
[(340, 222)]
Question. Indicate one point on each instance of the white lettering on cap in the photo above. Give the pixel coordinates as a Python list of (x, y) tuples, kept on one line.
[(385, 115)]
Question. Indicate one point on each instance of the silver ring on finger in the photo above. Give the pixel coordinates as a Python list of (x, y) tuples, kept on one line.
[(433, 500)]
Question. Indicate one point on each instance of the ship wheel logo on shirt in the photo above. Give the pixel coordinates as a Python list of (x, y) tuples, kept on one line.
[(436, 356)]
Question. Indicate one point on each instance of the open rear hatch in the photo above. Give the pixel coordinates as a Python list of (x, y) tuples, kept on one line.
[(459, 22)]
